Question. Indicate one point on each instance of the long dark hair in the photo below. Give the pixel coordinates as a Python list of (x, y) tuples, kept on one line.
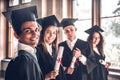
[(100, 44)]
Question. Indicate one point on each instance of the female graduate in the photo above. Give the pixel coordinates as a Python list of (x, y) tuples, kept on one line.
[(95, 39), (47, 48)]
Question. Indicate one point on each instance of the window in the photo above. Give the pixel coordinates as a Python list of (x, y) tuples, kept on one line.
[(13, 2), (82, 10), (26, 1), (18, 2), (110, 20)]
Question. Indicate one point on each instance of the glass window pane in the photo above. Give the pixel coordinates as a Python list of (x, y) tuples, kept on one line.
[(81, 27), (13, 2), (82, 11), (26, 1), (111, 24), (108, 11)]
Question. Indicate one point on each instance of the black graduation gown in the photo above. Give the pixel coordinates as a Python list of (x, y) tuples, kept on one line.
[(81, 71), (23, 67), (47, 62), (99, 72)]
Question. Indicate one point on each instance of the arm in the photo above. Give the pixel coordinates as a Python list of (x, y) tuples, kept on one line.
[(77, 53)]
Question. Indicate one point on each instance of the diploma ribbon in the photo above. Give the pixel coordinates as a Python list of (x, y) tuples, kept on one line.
[(59, 60)]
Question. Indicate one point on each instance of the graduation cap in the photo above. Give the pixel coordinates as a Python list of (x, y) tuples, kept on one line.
[(39, 21), (94, 29), (8, 16), (48, 21), (19, 16), (68, 21)]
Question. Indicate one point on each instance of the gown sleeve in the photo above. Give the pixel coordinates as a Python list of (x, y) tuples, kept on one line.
[(22, 68), (90, 64)]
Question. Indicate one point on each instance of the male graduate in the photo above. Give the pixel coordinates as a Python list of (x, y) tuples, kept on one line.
[(76, 51), (27, 31)]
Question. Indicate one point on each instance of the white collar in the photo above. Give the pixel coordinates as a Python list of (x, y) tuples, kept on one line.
[(72, 42), (27, 48), (96, 50)]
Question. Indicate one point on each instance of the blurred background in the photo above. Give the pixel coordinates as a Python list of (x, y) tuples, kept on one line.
[(105, 13)]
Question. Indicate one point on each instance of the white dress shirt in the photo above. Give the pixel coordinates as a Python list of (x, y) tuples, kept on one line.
[(71, 44), (27, 48)]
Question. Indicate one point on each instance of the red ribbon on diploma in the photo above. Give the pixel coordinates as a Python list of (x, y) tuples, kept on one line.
[(59, 60)]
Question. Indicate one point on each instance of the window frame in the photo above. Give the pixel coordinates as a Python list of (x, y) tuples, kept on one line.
[(96, 20)]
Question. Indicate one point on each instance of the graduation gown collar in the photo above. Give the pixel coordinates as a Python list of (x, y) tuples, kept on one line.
[(27, 48)]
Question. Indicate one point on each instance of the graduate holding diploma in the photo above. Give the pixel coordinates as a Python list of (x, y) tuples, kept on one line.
[(75, 59), (47, 54), (59, 58)]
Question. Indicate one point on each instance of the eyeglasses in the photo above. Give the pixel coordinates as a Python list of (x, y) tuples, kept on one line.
[(30, 31)]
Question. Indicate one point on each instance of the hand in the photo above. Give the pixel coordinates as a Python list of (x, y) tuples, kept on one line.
[(77, 53), (51, 75), (57, 72), (107, 65), (70, 70)]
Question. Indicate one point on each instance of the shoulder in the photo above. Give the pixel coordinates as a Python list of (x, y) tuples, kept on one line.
[(83, 44), (82, 41), (62, 43), (23, 58), (18, 61), (39, 48)]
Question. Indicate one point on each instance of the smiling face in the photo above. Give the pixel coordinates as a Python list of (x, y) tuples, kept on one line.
[(50, 34), (30, 33), (70, 32)]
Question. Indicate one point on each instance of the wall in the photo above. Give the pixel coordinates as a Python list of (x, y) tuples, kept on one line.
[(2, 31), (60, 8)]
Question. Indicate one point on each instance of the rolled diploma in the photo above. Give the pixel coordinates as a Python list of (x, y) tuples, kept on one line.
[(59, 57), (73, 62)]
